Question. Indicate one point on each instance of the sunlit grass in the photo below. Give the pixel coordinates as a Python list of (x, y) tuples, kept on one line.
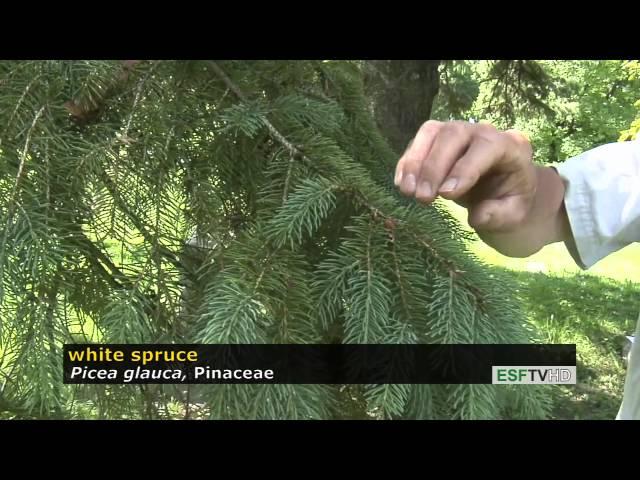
[(623, 265)]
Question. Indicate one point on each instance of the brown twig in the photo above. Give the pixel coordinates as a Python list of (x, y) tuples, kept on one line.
[(83, 114)]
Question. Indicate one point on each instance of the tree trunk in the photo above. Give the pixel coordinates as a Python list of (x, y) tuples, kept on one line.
[(402, 93)]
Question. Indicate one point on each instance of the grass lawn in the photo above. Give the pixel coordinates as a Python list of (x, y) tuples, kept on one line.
[(593, 309)]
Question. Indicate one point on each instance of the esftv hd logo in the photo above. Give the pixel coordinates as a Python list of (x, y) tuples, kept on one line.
[(519, 375)]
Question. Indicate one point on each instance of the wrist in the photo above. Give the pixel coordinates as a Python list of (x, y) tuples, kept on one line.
[(544, 223), (550, 205), (547, 221)]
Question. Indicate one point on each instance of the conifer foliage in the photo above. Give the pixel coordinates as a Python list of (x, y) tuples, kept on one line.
[(224, 202)]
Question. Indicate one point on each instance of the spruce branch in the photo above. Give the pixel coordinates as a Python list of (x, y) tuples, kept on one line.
[(24, 348), (139, 224), (287, 180), (449, 265), (18, 411), (14, 194), (20, 101), (325, 241), (95, 256), (396, 266), (273, 130), (51, 299)]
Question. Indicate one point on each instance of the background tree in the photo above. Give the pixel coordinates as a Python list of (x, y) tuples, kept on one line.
[(633, 70), (566, 107), (402, 94)]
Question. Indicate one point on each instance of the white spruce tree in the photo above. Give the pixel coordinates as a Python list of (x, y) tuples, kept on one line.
[(108, 169)]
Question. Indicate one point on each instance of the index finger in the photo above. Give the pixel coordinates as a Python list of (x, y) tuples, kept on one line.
[(417, 150)]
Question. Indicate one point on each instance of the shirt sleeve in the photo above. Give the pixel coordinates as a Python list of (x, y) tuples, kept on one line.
[(602, 199)]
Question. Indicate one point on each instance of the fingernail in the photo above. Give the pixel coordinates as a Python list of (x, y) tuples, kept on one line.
[(409, 183), (424, 190), (398, 178), (449, 185)]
